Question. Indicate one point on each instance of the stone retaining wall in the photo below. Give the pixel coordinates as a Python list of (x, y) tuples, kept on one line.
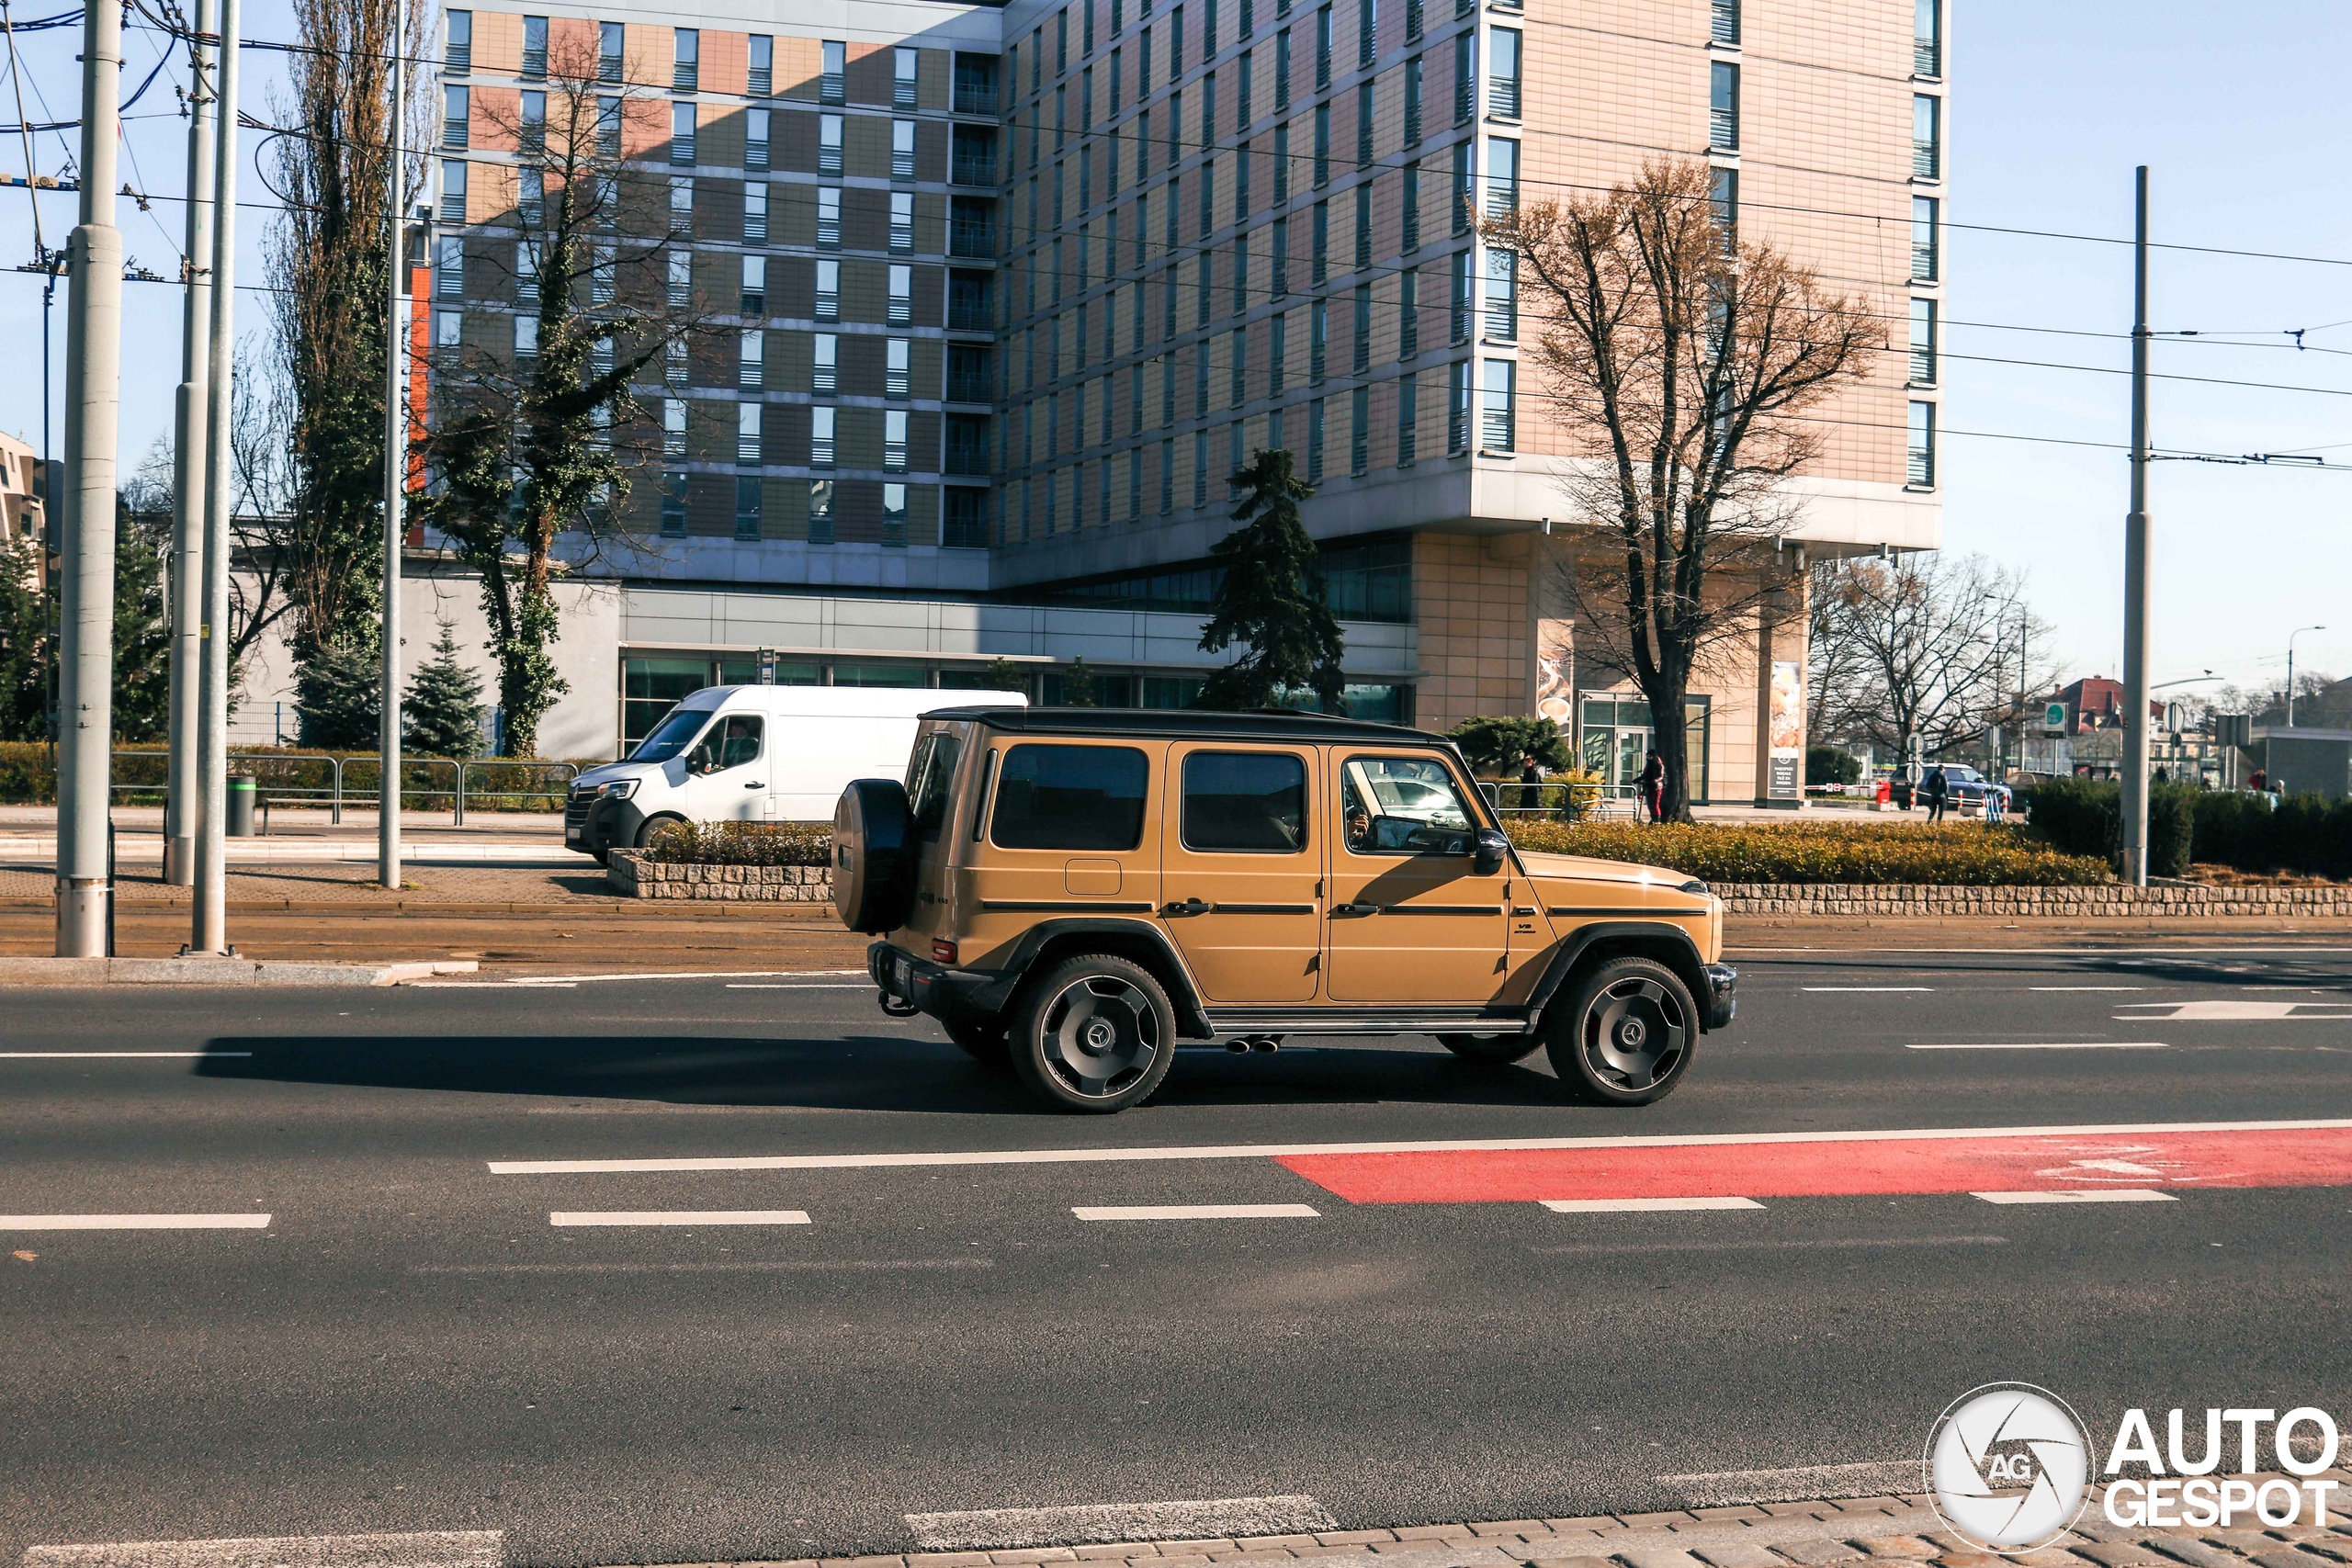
[(633, 875), (2052, 903)]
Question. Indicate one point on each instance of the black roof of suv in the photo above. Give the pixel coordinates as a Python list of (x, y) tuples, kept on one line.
[(1266, 724)]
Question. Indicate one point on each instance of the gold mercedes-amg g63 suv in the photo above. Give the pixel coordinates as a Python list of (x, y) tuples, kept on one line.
[(1075, 890)]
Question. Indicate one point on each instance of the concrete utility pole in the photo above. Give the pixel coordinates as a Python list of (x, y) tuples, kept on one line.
[(388, 809), (92, 388), (188, 469), (2135, 568), (209, 928), (2290, 670)]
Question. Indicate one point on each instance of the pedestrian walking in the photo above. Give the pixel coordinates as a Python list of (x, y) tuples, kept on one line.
[(1653, 786), (1531, 781), (1938, 790)]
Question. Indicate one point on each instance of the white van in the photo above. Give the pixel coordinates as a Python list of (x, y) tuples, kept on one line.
[(754, 754)]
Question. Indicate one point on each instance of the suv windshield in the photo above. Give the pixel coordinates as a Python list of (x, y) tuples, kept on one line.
[(671, 736)]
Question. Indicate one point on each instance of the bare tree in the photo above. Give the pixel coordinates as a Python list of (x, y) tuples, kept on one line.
[(535, 443), (1922, 645), (1681, 365)]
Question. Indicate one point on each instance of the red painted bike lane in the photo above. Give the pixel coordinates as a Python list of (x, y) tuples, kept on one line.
[(1843, 1167)]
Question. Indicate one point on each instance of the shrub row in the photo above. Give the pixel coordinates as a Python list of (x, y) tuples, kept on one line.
[(1953, 855), (2307, 834), (743, 843)]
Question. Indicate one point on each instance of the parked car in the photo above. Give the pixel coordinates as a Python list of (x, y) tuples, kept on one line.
[(1965, 783), (753, 754), (1072, 891)]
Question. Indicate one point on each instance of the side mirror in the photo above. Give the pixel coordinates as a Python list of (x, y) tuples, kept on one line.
[(1492, 851)]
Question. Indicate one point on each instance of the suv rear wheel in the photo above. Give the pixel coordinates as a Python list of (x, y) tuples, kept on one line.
[(1498, 1049), (1623, 1031), (1095, 1033)]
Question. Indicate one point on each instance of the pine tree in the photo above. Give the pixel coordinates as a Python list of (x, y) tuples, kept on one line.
[(1270, 599), (444, 709), (1079, 688), (337, 692)]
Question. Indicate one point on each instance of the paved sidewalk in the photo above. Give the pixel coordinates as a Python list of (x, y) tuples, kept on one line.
[(1764, 1534)]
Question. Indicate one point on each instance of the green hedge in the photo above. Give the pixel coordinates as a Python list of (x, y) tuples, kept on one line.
[(1953, 855), (29, 777), (743, 843), (2307, 834)]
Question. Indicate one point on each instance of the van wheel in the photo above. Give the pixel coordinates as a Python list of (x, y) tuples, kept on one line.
[(652, 825), (1623, 1033), (1094, 1034), (984, 1041), (1499, 1050)]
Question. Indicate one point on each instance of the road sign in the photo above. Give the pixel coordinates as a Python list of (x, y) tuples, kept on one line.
[(2053, 717)]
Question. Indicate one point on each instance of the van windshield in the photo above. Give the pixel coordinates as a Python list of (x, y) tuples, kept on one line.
[(671, 736)]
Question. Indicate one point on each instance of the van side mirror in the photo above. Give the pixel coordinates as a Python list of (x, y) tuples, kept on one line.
[(1493, 850)]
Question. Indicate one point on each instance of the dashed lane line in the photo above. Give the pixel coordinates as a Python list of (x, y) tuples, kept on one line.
[(1219, 1519), (2042, 1045), (1868, 988), (134, 1221), (1642, 1205), (433, 1549), (680, 1217), (2087, 988), (1200, 1212), (116, 1055), (2082, 1195), (1735, 1488)]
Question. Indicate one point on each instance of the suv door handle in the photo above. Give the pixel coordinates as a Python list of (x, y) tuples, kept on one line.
[(1189, 907), (755, 785), (1351, 910)]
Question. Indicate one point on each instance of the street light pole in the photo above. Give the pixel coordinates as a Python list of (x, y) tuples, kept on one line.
[(2135, 565), (93, 406), (2290, 670), (187, 469), (388, 807), (208, 931)]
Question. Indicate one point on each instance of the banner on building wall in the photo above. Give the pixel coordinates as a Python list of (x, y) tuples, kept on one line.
[(1787, 732), (1554, 668)]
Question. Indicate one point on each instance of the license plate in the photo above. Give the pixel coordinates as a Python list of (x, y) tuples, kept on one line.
[(571, 832)]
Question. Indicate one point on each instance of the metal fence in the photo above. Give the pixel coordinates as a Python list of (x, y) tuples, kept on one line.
[(427, 783), (1560, 801)]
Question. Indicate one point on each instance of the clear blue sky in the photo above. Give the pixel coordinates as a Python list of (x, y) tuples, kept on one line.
[(2237, 109)]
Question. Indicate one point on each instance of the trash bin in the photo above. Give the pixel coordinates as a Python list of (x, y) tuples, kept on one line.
[(241, 794)]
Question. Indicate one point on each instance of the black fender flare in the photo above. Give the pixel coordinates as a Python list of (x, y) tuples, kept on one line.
[(1183, 993), (1686, 961)]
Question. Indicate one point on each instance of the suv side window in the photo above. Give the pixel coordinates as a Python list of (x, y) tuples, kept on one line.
[(729, 743), (1253, 803), (1071, 797), (1403, 805), (928, 782)]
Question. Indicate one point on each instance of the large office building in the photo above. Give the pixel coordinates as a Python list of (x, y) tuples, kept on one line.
[(999, 296)]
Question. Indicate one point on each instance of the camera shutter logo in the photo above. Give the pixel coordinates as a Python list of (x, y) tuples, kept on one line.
[(2007, 1467)]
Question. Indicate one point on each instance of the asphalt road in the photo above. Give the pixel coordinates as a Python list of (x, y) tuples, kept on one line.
[(408, 1343)]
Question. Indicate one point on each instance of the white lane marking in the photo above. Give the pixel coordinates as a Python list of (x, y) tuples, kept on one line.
[(2087, 988), (1449, 1146), (1643, 1206), (105, 1055), (487, 984), (818, 986), (435, 1549), (2237, 1011), (1735, 1488), (2051, 1045), (2082, 1195), (729, 1266), (1869, 988), (134, 1221), (681, 1217), (1202, 1211), (1220, 1518)]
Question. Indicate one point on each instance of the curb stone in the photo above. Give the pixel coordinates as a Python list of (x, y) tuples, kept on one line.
[(218, 972)]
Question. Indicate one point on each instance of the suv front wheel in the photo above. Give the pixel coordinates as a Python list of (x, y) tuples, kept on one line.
[(1094, 1033), (1623, 1031)]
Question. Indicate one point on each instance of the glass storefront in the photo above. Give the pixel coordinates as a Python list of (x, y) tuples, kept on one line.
[(1617, 733)]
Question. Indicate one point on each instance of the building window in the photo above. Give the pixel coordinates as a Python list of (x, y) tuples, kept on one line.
[(834, 62), (608, 127), (824, 360), (450, 268), (535, 48), (453, 192), (527, 337), (1317, 335), (756, 139), (1927, 136), (902, 78), (1322, 145), (1926, 241), (1465, 196), (1723, 106), (755, 286), (681, 133), (820, 512), (1457, 407), (458, 42), (760, 71), (1322, 224), (820, 437), (1500, 431), (1363, 225), (829, 218), (1413, 102), (897, 367), (1200, 469), (828, 144), (894, 441), (1408, 314), (1167, 476), (829, 290), (1367, 32), (1277, 350), (1920, 445), (755, 213), (1407, 401), (603, 275), (448, 329), (673, 363), (1465, 78), (894, 504), (1359, 432), (902, 222), (902, 295), (1240, 390), (531, 134), (747, 507), (1360, 356), (526, 275), (1723, 193), (1502, 178), (609, 51), (1928, 38), (1923, 343), (673, 427), (682, 204), (682, 279), (1502, 74), (1502, 294), (674, 503), (1278, 284), (455, 102), (902, 149), (531, 196), (1722, 22), (1315, 442), (965, 526), (751, 352), (685, 69)]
